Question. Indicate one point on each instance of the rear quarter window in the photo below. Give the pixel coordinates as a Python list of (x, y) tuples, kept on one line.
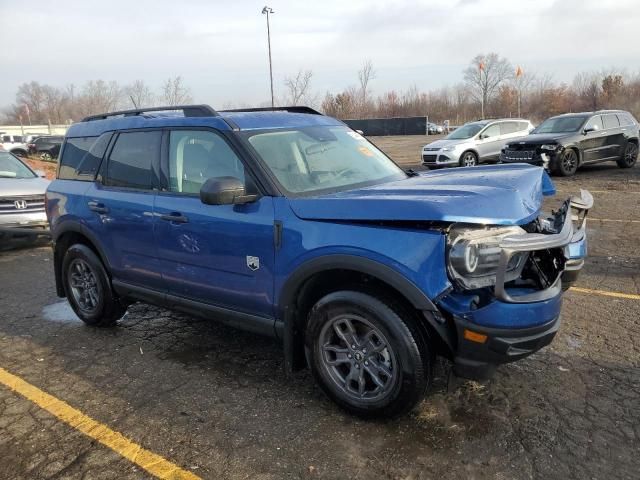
[(81, 157), (610, 121)]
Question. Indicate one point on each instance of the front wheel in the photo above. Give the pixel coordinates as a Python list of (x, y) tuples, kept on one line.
[(630, 156), (88, 288), (468, 159), (567, 164), (365, 356)]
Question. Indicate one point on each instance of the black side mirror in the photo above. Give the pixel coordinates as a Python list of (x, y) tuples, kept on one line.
[(224, 191), (591, 128)]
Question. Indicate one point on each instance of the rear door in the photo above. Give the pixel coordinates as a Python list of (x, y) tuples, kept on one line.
[(615, 139), (122, 207)]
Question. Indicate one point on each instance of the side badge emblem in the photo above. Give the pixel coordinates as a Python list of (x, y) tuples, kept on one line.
[(253, 263)]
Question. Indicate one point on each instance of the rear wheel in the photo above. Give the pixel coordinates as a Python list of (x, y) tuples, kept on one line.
[(468, 159), (630, 156), (365, 357), (568, 163), (46, 156), (88, 288)]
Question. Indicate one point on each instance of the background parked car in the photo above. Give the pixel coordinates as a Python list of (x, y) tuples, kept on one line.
[(14, 144), (30, 138), (433, 129), (47, 148), (21, 196), (567, 142), (474, 143)]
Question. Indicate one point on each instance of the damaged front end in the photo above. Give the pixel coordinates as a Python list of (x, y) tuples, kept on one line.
[(508, 281)]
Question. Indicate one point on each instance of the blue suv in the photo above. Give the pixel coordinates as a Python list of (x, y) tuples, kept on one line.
[(287, 223)]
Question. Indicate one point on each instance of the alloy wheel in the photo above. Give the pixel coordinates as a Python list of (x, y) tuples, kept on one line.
[(357, 357), (570, 161), (84, 286), (468, 160), (631, 154)]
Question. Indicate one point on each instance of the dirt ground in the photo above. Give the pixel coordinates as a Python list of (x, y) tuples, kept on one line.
[(217, 402), (49, 168)]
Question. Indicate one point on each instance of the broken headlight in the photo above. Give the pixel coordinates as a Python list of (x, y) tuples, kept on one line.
[(474, 256)]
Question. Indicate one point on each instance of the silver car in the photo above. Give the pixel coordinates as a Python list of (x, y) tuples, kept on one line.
[(474, 143), (21, 196)]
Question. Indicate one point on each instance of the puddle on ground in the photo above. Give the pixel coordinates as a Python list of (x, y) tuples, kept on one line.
[(60, 312)]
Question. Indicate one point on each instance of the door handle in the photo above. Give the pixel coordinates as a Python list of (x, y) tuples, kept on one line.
[(175, 217), (97, 207)]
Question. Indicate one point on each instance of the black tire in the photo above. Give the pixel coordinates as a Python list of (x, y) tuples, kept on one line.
[(107, 309), (407, 356), (468, 159), (46, 156), (629, 157), (567, 164), (19, 153)]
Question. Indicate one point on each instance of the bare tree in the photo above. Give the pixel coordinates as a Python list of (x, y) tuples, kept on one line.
[(587, 88), (485, 75), (140, 94), (298, 88), (365, 75), (99, 96), (175, 93)]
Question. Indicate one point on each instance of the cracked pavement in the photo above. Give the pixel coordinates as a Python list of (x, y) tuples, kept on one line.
[(216, 401)]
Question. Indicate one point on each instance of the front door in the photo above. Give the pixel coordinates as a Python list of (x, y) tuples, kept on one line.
[(490, 143), (593, 143), (222, 255)]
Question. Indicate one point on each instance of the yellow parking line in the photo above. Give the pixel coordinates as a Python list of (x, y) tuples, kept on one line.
[(605, 293), (618, 220), (152, 463)]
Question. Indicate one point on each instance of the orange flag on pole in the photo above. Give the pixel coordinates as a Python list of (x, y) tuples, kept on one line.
[(518, 71), (481, 66)]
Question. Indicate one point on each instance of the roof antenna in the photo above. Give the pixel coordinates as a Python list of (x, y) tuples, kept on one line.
[(133, 101)]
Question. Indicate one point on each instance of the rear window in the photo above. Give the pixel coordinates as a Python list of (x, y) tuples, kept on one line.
[(131, 159), (81, 157), (509, 127)]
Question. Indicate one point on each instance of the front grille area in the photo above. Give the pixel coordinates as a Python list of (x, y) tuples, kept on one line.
[(22, 204), (429, 158), (519, 154)]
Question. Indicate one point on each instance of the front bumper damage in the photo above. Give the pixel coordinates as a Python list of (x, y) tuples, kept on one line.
[(517, 320)]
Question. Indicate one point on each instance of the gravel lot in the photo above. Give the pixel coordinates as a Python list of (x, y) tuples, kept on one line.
[(217, 402)]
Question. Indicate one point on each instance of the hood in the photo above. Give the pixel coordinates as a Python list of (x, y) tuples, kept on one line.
[(539, 138), (490, 195), (12, 187), (438, 144)]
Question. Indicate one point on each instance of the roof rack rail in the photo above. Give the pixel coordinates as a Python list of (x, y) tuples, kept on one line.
[(187, 110), (292, 109)]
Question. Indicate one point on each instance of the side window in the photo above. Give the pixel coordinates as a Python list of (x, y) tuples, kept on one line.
[(610, 121), (6, 138), (625, 119), (197, 155), (508, 127), (492, 131), (523, 126), (81, 157), (131, 160), (17, 138), (595, 122)]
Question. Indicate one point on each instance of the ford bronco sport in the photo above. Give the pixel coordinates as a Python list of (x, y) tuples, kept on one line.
[(286, 222)]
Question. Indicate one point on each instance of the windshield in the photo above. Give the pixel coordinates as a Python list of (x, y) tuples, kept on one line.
[(11, 167), (560, 125), (323, 158), (466, 131)]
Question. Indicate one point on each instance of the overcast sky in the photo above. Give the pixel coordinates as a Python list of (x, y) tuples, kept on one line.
[(219, 47)]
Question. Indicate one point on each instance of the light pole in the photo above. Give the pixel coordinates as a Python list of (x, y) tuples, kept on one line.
[(266, 11)]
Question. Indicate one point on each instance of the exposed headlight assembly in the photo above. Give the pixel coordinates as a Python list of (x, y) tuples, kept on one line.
[(474, 254)]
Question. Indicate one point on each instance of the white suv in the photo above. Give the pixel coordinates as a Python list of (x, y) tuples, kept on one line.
[(13, 144), (474, 143)]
